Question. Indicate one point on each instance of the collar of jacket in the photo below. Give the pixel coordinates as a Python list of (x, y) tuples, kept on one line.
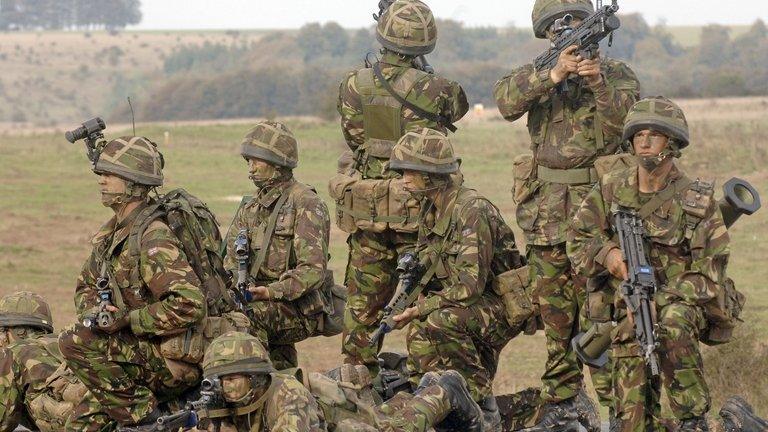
[(393, 59), (118, 232), (446, 211), (627, 193), (268, 197)]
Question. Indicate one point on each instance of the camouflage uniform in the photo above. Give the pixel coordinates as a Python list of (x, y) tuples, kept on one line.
[(158, 296), (372, 121), (690, 256), (463, 240), (36, 391), (294, 268), (285, 405), (568, 132)]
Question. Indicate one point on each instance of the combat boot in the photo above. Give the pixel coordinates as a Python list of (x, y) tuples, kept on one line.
[(491, 414), (465, 413), (588, 414), (558, 417), (695, 424), (738, 416), (429, 379)]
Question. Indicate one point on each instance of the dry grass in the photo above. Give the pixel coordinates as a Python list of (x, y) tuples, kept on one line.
[(49, 207)]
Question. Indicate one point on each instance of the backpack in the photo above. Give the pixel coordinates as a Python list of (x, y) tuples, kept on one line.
[(196, 228)]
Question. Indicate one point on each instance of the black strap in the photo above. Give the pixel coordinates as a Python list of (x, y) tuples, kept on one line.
[(437, 118)]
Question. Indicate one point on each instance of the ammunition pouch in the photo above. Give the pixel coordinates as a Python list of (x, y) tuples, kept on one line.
[(722, 314), (607, 164), (325, 306), (189, 346), (600, 297), (511, 287), (51, 408), (373, 205), (522, 173)]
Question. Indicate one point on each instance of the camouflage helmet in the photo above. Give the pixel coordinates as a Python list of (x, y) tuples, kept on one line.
[(660, 114), (407, 27), (273, 142), (25, 309), (135, 159), (236, 352), (426, 150), (546, 11)]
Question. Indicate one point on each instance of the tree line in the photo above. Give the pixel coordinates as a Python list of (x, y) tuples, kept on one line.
[(298, 72), (68, 14)]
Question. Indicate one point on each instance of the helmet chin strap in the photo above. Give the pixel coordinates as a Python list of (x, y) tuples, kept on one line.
[(652, 163)]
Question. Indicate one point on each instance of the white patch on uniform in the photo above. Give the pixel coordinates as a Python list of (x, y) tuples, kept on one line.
[(466, 232), (153, 251)]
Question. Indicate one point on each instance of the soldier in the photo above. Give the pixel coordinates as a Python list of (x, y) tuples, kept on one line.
[(35, 390), (378, 105), (461, 323), (258, 398), (135, 357), (569, 130), (287, 227), (687, 244)]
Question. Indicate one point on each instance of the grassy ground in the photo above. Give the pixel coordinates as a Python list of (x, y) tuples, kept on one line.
[(49, 208)]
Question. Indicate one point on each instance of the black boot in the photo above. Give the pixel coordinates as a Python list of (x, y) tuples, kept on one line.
[(491, 414), (586, 409), (465, 413), (695, 424), (738, 416), (558, 417)]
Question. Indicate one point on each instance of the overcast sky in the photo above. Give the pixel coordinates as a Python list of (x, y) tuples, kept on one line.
[(255, 14)]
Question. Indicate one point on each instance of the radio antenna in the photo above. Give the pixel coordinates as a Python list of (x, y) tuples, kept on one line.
[(133, 116)]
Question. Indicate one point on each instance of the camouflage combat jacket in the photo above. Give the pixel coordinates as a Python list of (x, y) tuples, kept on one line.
[(568, 132), (463, 249), (32, 392), (690, 261), (296, 260), (160, 292), (372, 120), (287, 406)]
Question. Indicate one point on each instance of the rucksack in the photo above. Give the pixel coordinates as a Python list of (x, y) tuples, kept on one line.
[(196, 228)]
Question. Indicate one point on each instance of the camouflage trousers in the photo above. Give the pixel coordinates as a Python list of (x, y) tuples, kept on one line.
[(126, 375), (280, 325), (637, 394), (403, 413), (560, 295), (371, 279), (465, 339)]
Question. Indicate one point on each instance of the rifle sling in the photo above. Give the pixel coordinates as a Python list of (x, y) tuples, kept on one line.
[(270, 230), (665, 195), (437, 118)]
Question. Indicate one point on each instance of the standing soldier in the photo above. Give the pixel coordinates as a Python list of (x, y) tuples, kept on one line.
[(135, 309), (36, 391), (378, 105), (286, 226), (462, 321), (569, 130), (687, 245)]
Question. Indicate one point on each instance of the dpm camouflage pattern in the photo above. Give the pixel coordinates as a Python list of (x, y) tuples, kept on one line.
[(407, 27), (546, 11), (294, 268), (135, 159), (370, 276), (159, 296), (462, 323), (690, 272)]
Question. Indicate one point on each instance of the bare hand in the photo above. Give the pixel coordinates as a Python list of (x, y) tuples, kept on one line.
[(567, 63), (590, 70), (259, 292), (111, 308), (615, 264), (407, 316)]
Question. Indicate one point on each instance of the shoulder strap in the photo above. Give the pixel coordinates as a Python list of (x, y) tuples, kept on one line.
[(437, 118), (667, 194), (270, 230), (246, 199)]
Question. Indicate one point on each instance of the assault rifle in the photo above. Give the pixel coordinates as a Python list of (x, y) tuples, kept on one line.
[(419, 62), (407, 292), (210, 394), (639, 289), (586, 35), (242, 252)]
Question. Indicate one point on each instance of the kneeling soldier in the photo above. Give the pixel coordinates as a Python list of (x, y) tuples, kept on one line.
[(286, 227), (460, 323)]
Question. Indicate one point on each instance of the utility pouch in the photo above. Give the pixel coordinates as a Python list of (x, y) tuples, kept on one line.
[(606, 164), (340, 189), (522, 173), (599, 299), (510, 286), (370, 204), (189, 346), (404, 207), (333, 315), (722, 314)]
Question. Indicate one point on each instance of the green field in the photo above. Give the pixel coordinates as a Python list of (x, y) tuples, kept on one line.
[(49, 208)]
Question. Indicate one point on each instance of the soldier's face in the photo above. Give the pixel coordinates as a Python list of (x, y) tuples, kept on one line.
[(259, 170), (235, 387), (414, 180), (5, 337), (552, 35), (649, 143), (113, 188)]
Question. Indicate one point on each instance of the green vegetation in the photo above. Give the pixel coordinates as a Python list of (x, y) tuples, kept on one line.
[(49, 208), (80, 14)]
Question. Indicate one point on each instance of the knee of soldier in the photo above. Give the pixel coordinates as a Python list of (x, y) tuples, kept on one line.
[(680, 320), (448, 321), (73, 341)]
